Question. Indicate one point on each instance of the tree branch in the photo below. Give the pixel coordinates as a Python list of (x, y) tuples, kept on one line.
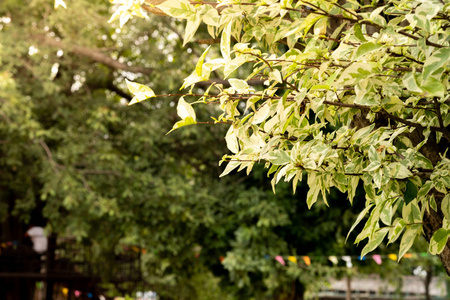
[(48, 152), (99, 172), (226, 83), (445, 132), (118, 91), (92, 54)]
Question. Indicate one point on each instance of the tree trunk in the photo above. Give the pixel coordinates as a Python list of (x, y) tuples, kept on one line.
[(432, 221), (348, 294), (427, 282)]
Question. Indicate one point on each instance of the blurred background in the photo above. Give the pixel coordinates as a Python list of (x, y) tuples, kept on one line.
[(97, 202)]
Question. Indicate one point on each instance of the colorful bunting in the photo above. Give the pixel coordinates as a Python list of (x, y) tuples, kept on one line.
[(77, 293), (293, 259), (348, 261), (361, 258), (377, 258), (280, 259), (393, 257), (333, 259), (307, 260), (65, 291)]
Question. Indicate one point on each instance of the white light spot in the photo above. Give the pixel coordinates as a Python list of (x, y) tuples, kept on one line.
[(123, 101), (5, 20), (54, 70), (76, 86), (59, 53), (32, 50)]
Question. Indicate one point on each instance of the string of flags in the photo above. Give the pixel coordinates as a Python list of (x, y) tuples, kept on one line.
[(307, 260), (346, 258), (65, 291), (76, 293)]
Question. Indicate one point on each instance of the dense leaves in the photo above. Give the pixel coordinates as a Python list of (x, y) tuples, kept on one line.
[(77, 159), (353, 94)]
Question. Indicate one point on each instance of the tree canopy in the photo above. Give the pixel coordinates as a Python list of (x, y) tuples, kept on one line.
[(353, 93), (78, 160)]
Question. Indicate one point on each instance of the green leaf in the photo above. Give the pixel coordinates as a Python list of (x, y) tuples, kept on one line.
[(201, 60), (396, 230), (185, 110), (438, 241), (446, 224), (399, 171), (438, 59), (359, 218), (425, 189), (373, 166), (214, 64), (231, 140), (358, 33), (177, 8), (261, 114), (374, 241), (211, 17), (408, 239), (231, 65), (191, 28), (411, 212), (363, 132), (433, 203), (373, 155), (277, 157), (140, 92), (309, 21), (445, 206), (314, 189), (354, 73), (230, 167), (184, 122), (432, 87), (410, 82), (225, 42), (386, 214), (366, 48), (410, 192), (239, 85)]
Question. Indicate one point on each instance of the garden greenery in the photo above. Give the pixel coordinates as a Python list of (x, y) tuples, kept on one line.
[(343, 94)]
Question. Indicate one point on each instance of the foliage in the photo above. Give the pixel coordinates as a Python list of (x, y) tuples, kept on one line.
[(75, 156), (353, 94)]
